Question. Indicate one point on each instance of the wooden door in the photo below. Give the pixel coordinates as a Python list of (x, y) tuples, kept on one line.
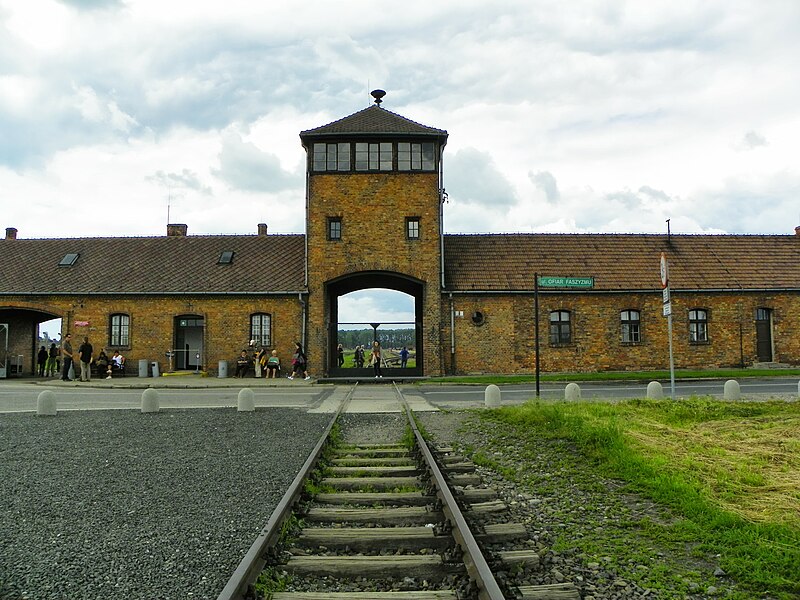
[(764, 334)]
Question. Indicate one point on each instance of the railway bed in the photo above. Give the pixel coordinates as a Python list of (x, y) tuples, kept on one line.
[(386, 520)]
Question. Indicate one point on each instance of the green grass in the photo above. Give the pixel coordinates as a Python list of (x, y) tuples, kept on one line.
[(618, 376), (727, 473)]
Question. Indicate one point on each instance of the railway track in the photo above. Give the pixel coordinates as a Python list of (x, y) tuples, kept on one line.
[(402, 521)]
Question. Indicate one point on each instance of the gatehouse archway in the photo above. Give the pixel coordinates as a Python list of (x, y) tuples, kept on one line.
[(367, 280)]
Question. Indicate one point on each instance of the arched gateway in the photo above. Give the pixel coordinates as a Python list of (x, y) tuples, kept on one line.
[(367, 280)]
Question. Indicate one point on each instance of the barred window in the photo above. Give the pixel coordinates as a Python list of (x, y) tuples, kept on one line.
[(334, 228), (698, 325), (412, 228), (119, 328), (631, 326), (260, 329), (560, 327)]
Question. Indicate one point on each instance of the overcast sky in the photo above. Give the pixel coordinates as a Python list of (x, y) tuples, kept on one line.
[(580, 116)]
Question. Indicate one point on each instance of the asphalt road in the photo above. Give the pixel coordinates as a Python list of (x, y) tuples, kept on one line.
[(22, 396), (454, 396)]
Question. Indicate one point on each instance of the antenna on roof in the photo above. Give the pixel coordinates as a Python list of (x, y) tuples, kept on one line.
[(669, 235), (378, 95), (169, 200)]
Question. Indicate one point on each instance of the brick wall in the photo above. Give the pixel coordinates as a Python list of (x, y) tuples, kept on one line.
[(227, 323), (505, 342), (373, 208)]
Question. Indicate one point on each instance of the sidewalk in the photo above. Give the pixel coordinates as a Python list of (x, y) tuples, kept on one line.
[(174, 381)]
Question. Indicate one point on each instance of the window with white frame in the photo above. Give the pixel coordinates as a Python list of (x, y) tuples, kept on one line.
[(119, 330), (260, 329), (698, 325)]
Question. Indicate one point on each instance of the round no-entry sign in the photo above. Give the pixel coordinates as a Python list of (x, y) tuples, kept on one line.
[(664, 271)]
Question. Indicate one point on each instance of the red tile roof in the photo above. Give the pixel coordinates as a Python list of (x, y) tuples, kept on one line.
[(487, 262), (154, 265), (623, 261)]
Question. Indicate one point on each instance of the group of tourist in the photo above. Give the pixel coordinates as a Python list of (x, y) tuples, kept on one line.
[(64, 358), (268, 364), (375, 359)]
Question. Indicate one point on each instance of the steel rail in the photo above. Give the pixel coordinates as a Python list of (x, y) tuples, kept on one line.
[(477, 567), (254, 560)]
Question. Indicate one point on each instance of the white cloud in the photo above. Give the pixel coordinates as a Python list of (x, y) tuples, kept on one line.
[(583, 116), (359, 309)]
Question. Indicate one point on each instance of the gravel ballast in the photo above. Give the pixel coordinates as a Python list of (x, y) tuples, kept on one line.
[(119, 504)]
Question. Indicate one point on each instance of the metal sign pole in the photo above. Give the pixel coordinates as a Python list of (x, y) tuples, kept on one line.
[(671, 359)]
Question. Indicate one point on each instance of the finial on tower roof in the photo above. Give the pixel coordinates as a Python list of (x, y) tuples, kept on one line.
[(378, 95)]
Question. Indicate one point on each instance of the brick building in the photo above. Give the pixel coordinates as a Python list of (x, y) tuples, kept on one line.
[(374, 220)]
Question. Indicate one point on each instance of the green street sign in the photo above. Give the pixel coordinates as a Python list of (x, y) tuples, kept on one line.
[(566, 282)]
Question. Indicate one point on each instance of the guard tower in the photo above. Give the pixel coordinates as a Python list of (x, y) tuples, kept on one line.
[(373, 220)]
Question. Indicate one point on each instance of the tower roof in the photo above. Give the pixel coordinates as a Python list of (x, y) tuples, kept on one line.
[(374, 122)]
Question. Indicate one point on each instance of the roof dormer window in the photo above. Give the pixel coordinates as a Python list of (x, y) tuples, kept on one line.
[(69, 259), (225, 257)]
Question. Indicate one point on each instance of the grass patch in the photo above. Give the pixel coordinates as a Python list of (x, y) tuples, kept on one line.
[(728, 472)]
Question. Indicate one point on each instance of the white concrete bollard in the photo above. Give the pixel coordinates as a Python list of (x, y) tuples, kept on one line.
[(732, 391), (46, 404), (655, 391), (150, 401), (491, 397), (246, 400), (572, 392), (798, 389)]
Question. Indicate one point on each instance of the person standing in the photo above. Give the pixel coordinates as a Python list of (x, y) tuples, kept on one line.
[(85, 356), (403, 357), (52, 360), (358, 357), (340, 355), (41, 360), (375, 359), (260, 362), (66, 357)]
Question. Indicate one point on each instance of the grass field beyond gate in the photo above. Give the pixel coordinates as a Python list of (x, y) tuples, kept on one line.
[(729, 472)]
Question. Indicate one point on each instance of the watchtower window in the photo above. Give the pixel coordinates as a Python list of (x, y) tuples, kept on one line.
[(373, 156), (415, 157), (332, 157)]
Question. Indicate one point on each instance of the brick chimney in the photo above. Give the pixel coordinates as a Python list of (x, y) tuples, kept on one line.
[(11, 233), (262, 229), (177, 230), (796, 231)]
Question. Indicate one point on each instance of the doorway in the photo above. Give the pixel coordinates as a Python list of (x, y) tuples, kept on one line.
[(189, 334), (764, 334)]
